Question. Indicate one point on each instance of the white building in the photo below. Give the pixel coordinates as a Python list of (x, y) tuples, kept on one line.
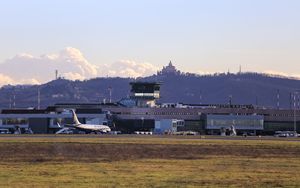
[(168, 126)]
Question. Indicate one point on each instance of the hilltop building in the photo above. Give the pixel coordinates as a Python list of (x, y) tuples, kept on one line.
[(169, 69)]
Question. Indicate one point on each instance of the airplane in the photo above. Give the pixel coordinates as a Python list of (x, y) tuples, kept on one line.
[(87, 128)]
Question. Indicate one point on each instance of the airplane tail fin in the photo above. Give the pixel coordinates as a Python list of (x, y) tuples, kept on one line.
[(75, 119), (58, 125)]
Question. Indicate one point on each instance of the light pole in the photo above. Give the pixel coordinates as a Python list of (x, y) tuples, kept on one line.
[(142, 123), (110, 92), (295, 121), (39, 99), (230, 100)]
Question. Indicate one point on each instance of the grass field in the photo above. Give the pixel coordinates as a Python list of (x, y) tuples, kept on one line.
[(148, 161)]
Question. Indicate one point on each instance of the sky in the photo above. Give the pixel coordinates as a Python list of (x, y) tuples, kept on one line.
[(89, 38)]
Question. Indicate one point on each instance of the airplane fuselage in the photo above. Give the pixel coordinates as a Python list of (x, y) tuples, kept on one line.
[(95, 128)]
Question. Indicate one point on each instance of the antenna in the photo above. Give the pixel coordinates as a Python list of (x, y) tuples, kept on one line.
[(240, 71), (291, 99), (294, 98), (230, 100), (200, 97), (295, 123), (10, 102), (278, 98), (56, 74), (298, 101), (14, 101)]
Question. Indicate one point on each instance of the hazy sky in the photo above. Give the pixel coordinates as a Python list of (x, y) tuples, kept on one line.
[(197, 35)]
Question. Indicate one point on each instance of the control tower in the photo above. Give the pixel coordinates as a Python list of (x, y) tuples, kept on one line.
[(145, 93)]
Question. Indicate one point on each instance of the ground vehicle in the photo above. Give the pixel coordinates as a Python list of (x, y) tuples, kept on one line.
[(286, 134), (4, 131)]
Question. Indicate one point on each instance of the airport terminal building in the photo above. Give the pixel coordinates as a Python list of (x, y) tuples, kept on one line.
[(140, 112)]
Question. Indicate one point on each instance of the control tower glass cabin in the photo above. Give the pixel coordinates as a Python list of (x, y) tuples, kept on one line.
[(145, 93)]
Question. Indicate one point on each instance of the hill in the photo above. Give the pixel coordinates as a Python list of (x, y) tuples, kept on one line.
[(242, 88)]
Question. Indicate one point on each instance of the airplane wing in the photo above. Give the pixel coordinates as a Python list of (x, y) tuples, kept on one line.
[(65, 130)]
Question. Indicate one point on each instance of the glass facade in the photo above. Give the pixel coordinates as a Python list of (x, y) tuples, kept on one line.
[(14, 121), (241, 122)]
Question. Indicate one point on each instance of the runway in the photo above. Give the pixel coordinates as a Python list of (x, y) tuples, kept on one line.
[(119, 136)]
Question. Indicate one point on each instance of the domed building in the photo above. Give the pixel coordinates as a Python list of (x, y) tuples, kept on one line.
[(169, 69)]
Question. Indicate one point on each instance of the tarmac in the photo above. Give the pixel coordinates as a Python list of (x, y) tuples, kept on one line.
[(203, 137)]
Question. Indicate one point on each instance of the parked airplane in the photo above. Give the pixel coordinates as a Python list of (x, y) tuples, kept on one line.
[(87, 128)]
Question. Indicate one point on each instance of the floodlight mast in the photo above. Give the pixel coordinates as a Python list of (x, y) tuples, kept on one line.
[(295, 120)]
